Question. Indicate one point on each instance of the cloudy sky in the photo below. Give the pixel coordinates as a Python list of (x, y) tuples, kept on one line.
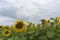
[(28, 10)]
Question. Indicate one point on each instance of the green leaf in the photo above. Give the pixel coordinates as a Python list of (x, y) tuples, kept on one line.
[(50, 34)]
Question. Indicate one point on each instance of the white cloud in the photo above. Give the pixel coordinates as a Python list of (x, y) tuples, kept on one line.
[(31, 10), (6, 20)]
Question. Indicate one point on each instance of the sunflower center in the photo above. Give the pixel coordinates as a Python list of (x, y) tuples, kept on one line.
[(6, 32), (19, 25), (0, 26)]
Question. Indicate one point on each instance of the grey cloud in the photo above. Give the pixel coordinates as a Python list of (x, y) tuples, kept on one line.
[(37, 10), (8, 12)]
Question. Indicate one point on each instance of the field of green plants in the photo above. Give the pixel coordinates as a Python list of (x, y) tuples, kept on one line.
[(45, 30)]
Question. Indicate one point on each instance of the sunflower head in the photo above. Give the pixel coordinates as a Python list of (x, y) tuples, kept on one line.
[(47, 22), (19, 26), (1, 26), (43, 21), (57, 20), (6, 32), (31, 25)]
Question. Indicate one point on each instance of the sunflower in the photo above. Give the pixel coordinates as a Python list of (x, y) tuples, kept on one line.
[(45, 22), (1, 26), (19, 26), (31, 25), (6, 32), (57, 20)]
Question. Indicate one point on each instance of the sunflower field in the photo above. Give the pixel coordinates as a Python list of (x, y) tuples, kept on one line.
[(21, 30)]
